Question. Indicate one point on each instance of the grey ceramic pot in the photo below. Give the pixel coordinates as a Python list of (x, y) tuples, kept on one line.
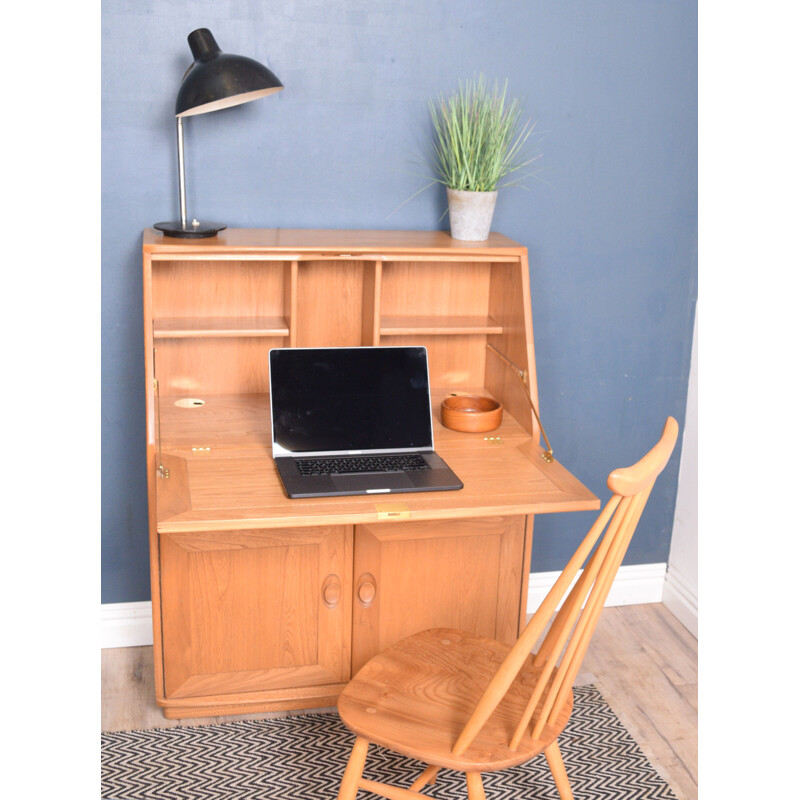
[(471, 214)]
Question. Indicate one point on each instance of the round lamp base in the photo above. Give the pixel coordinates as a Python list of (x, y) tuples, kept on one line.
[(190, 230)]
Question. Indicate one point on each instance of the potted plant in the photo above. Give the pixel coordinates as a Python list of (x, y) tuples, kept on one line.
[(478, 141)]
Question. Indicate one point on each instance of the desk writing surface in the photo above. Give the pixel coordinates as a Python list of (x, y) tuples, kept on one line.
[(229, 479)]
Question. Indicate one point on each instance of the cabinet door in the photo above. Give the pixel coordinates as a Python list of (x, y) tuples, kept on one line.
[(410, 576), (255, 610)]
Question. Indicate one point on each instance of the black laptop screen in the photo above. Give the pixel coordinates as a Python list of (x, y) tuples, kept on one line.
[(352, 398)]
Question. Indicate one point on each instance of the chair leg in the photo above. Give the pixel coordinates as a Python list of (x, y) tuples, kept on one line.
[(556, 764), (475, 786), (428, 777), (352, 774)]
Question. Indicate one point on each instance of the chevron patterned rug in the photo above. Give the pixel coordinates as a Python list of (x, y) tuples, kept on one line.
[(303, 758)]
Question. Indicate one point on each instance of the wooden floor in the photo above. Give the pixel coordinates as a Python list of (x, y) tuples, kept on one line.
[(641, 658)]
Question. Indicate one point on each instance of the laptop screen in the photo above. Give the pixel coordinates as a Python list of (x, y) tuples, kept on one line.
[(343, 399)]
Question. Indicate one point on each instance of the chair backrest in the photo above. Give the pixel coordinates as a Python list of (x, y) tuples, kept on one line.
[(564, 646)]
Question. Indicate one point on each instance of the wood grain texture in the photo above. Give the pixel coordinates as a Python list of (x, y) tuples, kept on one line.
[(416, 325), (371, 314), (251, 701), (416, 697), (191, 366), (436, 288), (352, 773), (389, 792), (189, 289), (526, 566), (645, 663), (633, 479), (509, 304), (337, 242), (236, 483), (219, 589), (207, 327), (470, 413), (642, 659), (256, 705), (475, 786), (329, 303), (290, 272), (454, 362), (212, 310), (456, 699), (152, 462), (464, 574), (556, 764)]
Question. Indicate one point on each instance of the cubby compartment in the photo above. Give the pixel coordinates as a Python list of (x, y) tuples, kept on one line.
[(215, 309), (329, 303), (435, 298), (455, 361), (215, 318), (214, 322), (211, 365), (225, 298), (467, 313)]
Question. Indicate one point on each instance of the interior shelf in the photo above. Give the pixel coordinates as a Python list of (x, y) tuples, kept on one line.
[(195, 327), (436, 325)]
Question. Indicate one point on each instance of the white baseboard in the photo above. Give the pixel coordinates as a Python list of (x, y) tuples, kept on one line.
[(680, 597), (130, 624), (638, 583), (126, 624)]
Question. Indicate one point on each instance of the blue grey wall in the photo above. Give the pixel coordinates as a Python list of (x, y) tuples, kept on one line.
[(612, 234)]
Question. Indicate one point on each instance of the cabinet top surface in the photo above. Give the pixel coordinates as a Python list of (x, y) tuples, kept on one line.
[(326, 240)]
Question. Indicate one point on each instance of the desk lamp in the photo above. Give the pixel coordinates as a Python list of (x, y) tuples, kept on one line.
[(215, 80)]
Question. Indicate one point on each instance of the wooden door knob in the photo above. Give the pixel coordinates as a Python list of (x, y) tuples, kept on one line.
[(366, 590), (331, 591)]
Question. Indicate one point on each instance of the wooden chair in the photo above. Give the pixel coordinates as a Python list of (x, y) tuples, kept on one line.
[(456, 700)]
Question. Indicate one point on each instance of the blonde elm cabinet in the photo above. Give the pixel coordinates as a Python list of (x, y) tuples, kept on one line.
[(264, 603)]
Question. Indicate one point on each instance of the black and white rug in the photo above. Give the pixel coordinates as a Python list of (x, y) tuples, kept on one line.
[(304, 757)]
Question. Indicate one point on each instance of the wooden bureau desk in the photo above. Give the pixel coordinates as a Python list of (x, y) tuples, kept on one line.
[(265, 603)]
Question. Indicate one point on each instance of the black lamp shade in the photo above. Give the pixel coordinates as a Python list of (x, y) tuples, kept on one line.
[(219, 80)]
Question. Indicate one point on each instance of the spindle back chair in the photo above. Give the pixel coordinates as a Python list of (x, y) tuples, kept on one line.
[(460, 701)]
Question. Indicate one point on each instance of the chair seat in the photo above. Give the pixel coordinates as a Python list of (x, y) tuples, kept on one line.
[(416, 696)]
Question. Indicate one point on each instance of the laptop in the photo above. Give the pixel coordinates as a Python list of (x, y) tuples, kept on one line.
[(354, 420)]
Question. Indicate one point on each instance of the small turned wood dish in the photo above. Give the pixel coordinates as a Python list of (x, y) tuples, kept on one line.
[(470, 413)]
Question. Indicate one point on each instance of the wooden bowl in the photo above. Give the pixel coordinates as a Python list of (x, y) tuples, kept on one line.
[(471, 413)]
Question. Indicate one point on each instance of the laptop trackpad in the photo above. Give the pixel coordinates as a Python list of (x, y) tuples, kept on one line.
[(355, 483)]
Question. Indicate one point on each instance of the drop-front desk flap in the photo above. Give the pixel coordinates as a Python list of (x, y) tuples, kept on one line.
[(222, 475)]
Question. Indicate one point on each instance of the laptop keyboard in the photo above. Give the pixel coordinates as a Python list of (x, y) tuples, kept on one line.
[(354, 464)]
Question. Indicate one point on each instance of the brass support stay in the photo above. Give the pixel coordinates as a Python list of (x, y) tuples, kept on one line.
[(163, 472), (523, 376)]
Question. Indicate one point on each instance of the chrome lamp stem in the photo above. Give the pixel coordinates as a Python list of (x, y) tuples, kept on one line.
[(181, 172)]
